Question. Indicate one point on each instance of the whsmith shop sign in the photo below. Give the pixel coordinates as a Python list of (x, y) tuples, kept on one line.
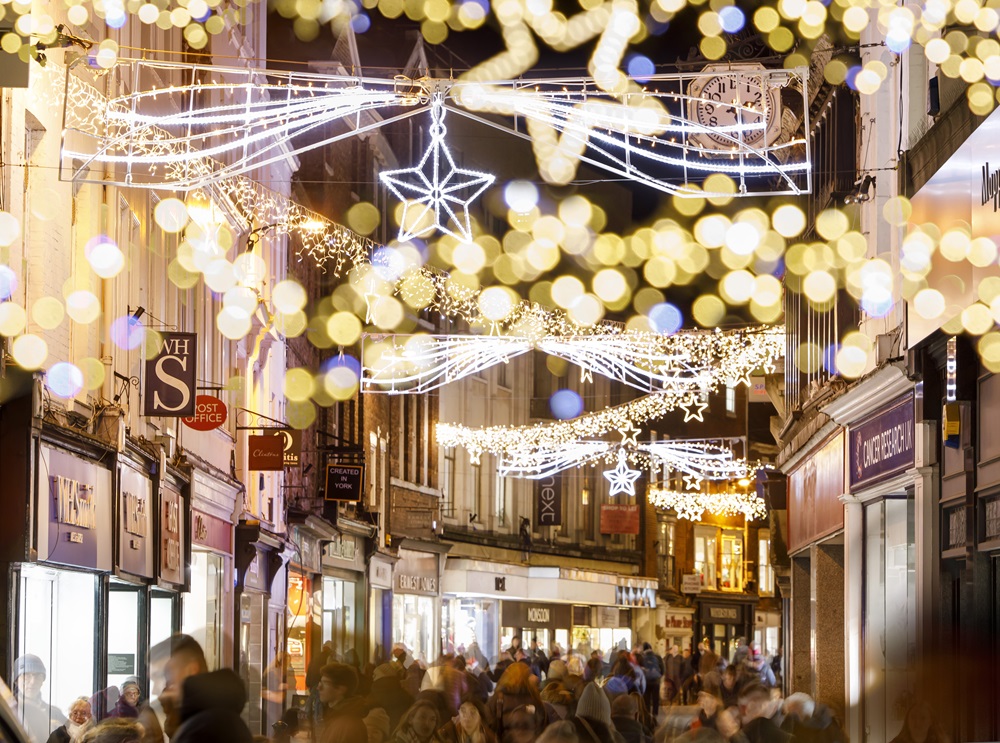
[(882, 446)]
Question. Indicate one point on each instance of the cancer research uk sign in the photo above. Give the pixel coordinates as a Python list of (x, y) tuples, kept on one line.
[(171, 375), (883, 445)]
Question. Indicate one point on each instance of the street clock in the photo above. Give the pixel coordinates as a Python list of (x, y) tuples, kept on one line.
[(726, 97)]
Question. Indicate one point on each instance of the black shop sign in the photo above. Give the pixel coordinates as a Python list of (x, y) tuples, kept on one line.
[(527, 614), (721, 613), (344, 482), (548, 501), (883, 445)]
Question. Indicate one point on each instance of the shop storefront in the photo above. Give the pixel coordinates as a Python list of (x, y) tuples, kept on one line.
[(416, 603), (58, 598), (207, 608), (678, 627), (304, 601), (548, 623), (173, 556), (129, 606), (723, 620), (816, 546), (343, 598), (881, 457), (379, 608)]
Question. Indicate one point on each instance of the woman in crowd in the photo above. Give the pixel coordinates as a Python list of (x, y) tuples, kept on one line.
[(420, 724), (469, 726)]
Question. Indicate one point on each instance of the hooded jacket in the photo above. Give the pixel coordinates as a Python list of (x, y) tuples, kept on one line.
[(211, 707)]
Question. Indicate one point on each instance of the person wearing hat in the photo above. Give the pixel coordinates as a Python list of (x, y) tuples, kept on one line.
[(710, 701), (593, 715), (127, 705), (37, 716), (387, 693), (377, 725)]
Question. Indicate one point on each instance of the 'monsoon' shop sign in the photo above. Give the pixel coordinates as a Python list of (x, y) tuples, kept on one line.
[(883, 445)]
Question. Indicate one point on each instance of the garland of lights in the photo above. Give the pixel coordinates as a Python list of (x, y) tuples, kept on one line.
[(692, 506), (695, 459), (646, 361), (159, 134)]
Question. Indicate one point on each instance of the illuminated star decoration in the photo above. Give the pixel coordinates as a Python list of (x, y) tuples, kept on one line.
[(629, 433), (699, 406), (622, 478), (432, 187)]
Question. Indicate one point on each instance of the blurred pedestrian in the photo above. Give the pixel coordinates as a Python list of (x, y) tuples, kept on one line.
[(128, 703), (378, 725), (710, 703), (625, 718), (419, 725), (756, 709), (652, 669), (562, 732), (338, 692), (80, 721), (115, 730), (387, 693), (468, 726), (38, 717), (345, 729), (810, 721), (919, 726), (593, 717), (516, 692), (211, 709), (172, 662)]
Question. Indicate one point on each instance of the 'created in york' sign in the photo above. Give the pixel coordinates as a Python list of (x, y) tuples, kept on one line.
[(344, 482)]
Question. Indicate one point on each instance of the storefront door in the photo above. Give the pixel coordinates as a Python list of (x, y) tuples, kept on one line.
[(889, 616), (127, 635)]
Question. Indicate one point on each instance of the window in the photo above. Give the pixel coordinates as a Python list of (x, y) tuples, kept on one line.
[(665, 550), (503, 374), (765, 573), (448, 483), (731, 570), (704, 556), (476, 507), (500, 499), (587, 507), (730, 400)]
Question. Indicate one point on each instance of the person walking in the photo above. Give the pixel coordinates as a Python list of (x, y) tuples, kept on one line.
[(652, 669), (387, 693), (755, 711), (419, 725), (81, 719), (809, 721)]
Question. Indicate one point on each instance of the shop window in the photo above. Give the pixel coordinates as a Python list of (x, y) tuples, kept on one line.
[(765, 573), (731, 568), (991, 519), (587, 508), (503, 374), (57, 615), (478, 513), (202, 606), (704, 556), (413, 624), (339, 615)]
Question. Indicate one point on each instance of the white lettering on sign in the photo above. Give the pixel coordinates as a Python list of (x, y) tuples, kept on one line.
[(136, 518), (538, 616), (173, 520), (547, 513), (887, 444), (722, 612), (176, 352), (75, 504), (76, 537), (417, 583), (173, 557)]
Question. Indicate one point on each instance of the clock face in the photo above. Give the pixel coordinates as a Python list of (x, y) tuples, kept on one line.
[(727, 101)]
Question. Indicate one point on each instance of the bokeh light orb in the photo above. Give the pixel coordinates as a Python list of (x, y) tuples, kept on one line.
[(565, 404), (104, 257), (64, 379), (521, 196), (127, 333), (29, 351), (665, 318)]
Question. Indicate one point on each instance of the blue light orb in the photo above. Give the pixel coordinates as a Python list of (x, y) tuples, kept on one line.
[(64, 380), (852, 74), (665, 318), (342, 361), (565, 404), (732, 19), (641, 68), (8, 282), (361, 23), (876, 304)]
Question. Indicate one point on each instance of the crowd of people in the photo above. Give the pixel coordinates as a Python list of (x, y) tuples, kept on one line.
[(526, 696)]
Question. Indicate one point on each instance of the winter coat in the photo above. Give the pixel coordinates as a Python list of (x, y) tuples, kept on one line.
[(630, 729), (388, 693), (820, 728), (763, 730), (652, 666), (124, 709), (211, 708)]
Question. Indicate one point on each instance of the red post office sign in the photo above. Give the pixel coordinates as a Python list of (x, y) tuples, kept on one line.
[(209, 414)]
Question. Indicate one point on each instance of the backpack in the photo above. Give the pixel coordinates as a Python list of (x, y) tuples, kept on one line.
[(651, 668)]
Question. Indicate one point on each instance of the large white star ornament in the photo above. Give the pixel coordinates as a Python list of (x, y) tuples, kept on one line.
[(432, 187), (699, 407), (622, 478)]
